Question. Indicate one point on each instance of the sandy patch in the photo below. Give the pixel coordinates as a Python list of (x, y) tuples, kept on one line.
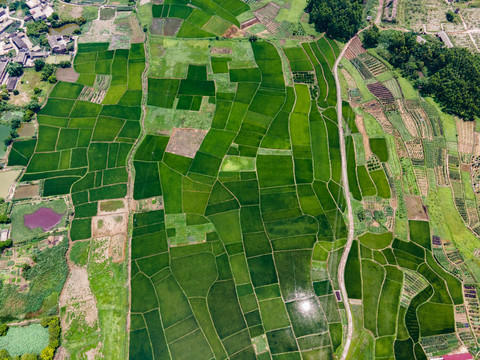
[(107, 225), (185, 142)]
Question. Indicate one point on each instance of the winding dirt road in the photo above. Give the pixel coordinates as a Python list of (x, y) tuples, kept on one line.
[(343, 261), (351, 227)]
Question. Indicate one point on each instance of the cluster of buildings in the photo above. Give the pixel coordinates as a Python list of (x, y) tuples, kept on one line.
[(17, 42), (39, 10)]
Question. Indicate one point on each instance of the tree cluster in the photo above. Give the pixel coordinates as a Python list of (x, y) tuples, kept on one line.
[(36, 28), (339, 19), (452, 75)]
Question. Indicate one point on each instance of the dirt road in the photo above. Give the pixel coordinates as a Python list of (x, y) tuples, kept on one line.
[(343, 153), (343, 261)]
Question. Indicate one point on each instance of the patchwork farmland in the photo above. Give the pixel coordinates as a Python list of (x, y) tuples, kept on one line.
[(199, 181)]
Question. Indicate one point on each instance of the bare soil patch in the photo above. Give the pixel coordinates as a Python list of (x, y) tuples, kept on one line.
[(150, 204), (466, 135), (116, 248), (67, 74), (171, 26), (415, 208), (26, 191), (363, 131), (106, 225), (221, 50), (157, 26), (185, 142), (78, 299), (234, 32)]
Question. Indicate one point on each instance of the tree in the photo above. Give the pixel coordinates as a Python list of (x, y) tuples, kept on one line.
[(3, 329), (4, 219), (65, 64), (4, 245), (27, 115), (371, 36), (4, 355), (39, 64), (80, 20), (35, 28), (52, 79), (77, 32), (14, 69), (339, 19), (451, 16), (47, 353), (253, 38), (47, 71)]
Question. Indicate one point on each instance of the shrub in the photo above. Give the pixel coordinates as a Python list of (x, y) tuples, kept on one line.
[(4, 219), (28, 357), (3, 329), (15, 92), (3, 245), (47, 353)]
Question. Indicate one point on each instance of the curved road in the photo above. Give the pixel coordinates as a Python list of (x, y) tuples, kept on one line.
[(343, 261), (351, 228)]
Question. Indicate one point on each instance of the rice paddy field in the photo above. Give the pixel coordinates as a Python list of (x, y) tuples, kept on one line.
[(206, 203)]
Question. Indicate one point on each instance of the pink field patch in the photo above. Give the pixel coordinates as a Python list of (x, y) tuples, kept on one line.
[(44, 217)]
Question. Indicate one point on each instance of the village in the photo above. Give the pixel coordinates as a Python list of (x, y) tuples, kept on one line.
[(17, 47)]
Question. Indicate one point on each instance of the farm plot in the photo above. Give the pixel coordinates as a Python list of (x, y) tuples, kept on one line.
[(82, 150), (247, 205), (206, 19)]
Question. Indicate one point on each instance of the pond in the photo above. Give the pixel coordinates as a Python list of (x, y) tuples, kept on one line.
[(44, 217), (63, 30), (6, 180), (26, 130), (25, 339)]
